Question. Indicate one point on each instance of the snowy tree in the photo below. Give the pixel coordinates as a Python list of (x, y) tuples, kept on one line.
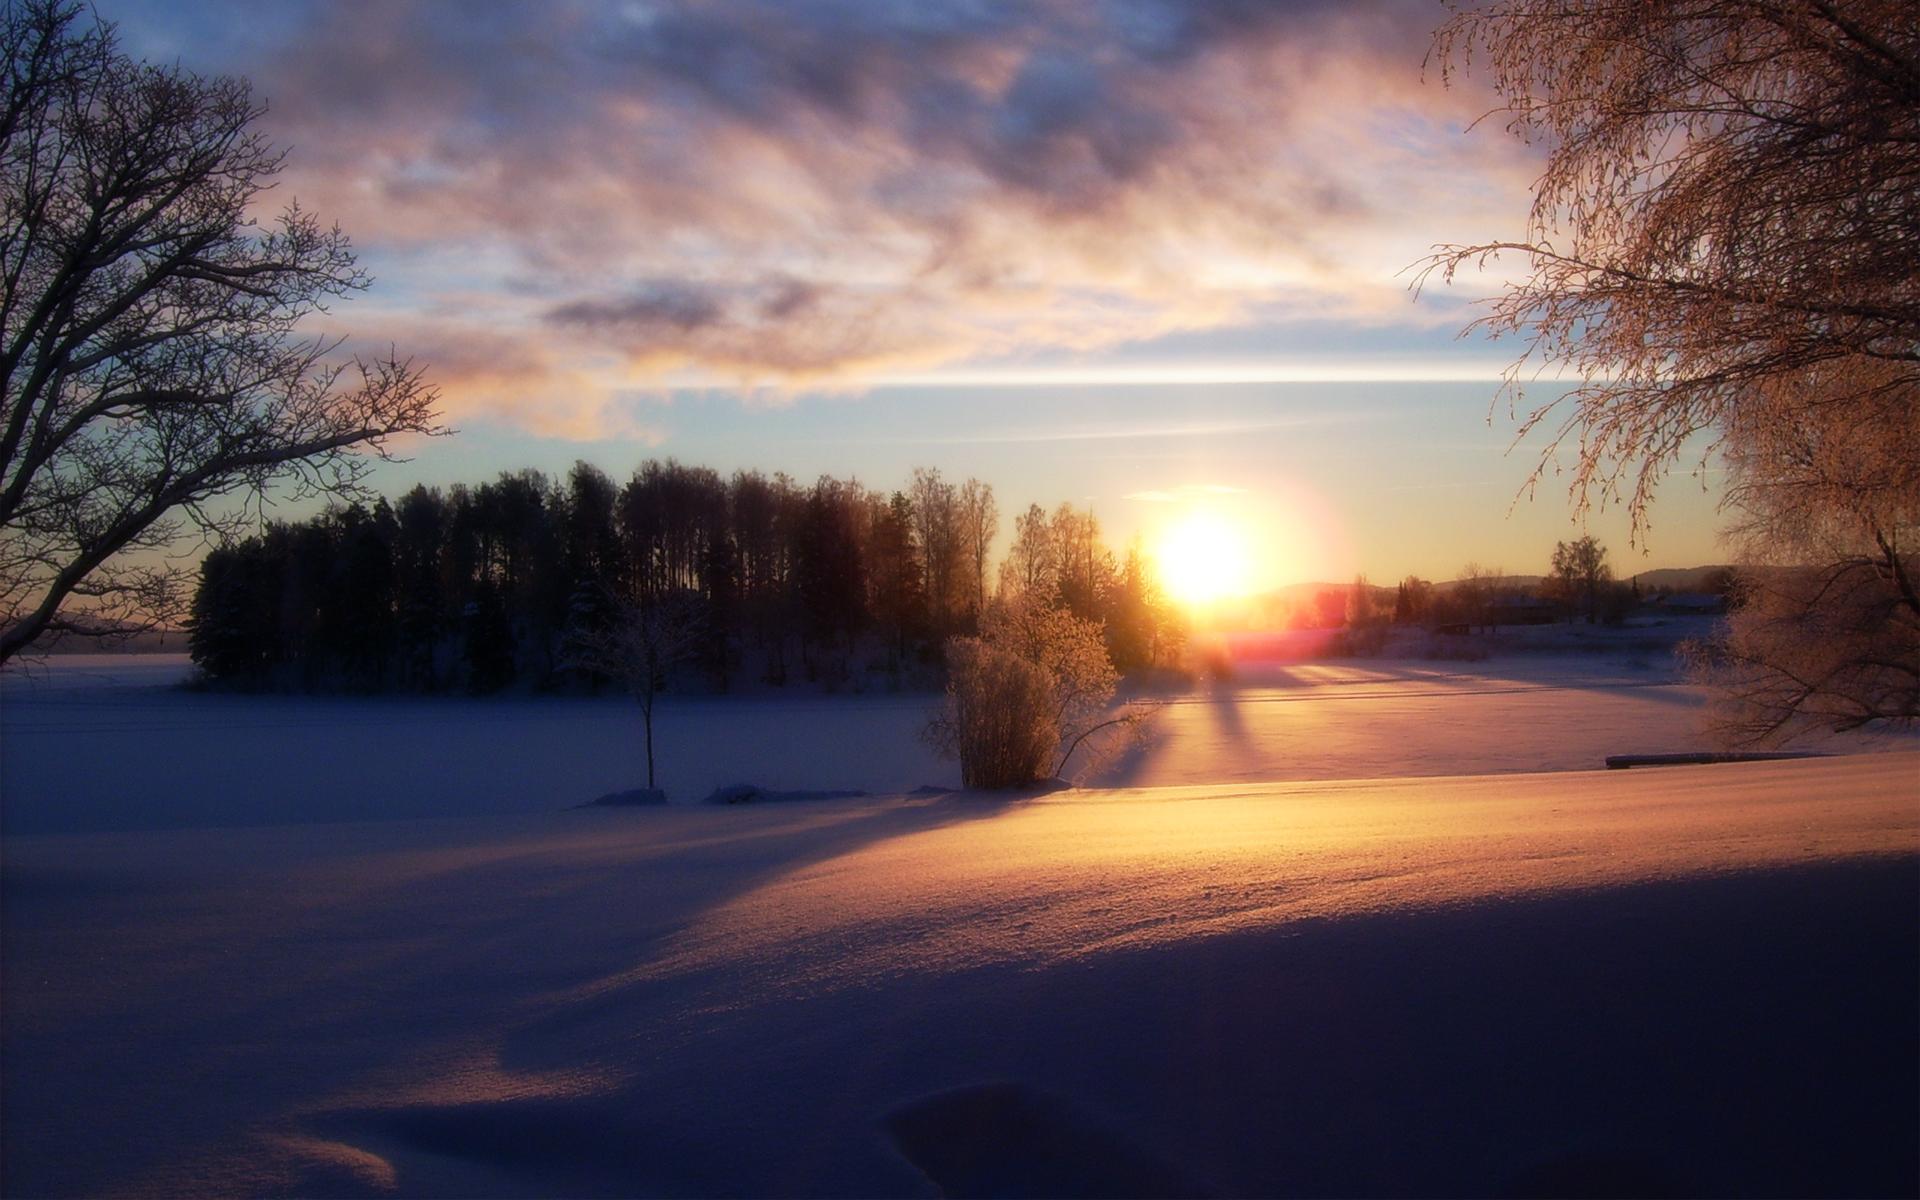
[(1723, 243), (1036, 676), (1031, 571), (998, 716), (979, 524)]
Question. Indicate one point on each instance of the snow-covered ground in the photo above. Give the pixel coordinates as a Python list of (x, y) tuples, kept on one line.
[(95, 743), (220, 974), (1695, 981), (99, 743), (1372, 718)]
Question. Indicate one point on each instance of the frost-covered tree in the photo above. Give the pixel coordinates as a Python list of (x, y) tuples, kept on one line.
[(979, 525), (1036, 676), (1723, 243), (1826, 629), (151, 375), (1031, 570), (997, 718)]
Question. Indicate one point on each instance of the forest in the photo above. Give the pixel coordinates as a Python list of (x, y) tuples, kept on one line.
[(488, 587)]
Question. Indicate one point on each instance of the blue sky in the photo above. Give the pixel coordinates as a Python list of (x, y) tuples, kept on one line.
[(1092, 251)]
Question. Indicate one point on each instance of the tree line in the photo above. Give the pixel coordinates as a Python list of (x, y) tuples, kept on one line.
[(484, 587)]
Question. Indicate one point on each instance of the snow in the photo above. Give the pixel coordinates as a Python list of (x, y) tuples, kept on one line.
[(222, 979), (98, 746), (1370, 718), (98, 743)]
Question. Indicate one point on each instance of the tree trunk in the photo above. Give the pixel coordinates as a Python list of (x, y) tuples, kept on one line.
[(647, 715)]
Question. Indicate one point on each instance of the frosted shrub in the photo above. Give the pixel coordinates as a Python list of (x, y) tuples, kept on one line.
[(1027, 695), (999, 716), (1810, 648)]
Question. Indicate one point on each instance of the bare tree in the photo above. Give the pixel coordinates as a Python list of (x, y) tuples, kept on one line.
[(997, 718), (936, 515), (1580, 570), (1031, 570), (1085, 566), (1477, 589), (640, 649), (979, 523), (1835, 647), (1724, 242), (1825, 632), (1073, 654), (151, 378)]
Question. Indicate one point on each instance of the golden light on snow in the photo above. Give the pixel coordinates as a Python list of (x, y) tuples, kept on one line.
[(1203, 558)]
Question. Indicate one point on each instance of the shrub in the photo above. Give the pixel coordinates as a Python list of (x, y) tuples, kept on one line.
[(1026, 695), (999, 716)]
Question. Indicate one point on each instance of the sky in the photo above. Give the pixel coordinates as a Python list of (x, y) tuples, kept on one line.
[(1140, 255)]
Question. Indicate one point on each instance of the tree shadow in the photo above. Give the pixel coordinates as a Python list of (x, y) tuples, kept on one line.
[(510, 921)]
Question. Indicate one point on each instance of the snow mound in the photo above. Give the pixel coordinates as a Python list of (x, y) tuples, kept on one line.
[(751, 793), (632, 798), (1009, 1139)]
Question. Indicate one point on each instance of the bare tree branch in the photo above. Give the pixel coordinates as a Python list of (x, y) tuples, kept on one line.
[(149, 356)]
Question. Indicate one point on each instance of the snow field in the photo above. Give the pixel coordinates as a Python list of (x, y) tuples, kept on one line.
[(283, 945), (1431, 985)]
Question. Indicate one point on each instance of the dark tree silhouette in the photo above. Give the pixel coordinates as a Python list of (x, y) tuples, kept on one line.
[(149, 369), (1580, 572), (488, 586), (641, 648), (897, 579)]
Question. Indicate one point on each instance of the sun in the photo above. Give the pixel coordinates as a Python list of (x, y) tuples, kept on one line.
[(1202, 559)]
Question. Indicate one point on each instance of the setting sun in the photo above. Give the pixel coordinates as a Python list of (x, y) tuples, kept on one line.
[(1202, 559)]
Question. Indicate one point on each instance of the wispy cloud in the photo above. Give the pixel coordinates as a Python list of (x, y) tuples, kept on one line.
[(1184, 493), (1131, 433)]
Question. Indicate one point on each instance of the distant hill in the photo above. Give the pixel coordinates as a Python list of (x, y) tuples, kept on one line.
[(1677, 579), (147, 641), (1269, 607)]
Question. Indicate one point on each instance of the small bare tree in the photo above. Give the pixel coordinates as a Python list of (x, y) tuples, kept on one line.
[(640, 649), (150, 375)]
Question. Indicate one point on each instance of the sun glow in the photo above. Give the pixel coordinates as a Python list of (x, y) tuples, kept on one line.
[(1202, 559)]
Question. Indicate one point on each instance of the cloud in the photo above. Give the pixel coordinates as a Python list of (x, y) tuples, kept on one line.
[(1111, 432), (1184, 492), (662, 307), (789, 191)]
